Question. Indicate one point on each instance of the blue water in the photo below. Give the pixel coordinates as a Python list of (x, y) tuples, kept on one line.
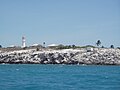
[(59, 77)]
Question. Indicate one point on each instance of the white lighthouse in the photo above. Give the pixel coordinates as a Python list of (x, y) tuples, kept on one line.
[(23, 42)]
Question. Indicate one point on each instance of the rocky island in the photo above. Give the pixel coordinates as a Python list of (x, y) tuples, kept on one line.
[(96, 56)]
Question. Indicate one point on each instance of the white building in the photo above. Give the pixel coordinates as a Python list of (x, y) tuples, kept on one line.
[(52, 45)]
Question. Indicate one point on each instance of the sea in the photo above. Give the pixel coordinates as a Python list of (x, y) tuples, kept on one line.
[(59, 77)]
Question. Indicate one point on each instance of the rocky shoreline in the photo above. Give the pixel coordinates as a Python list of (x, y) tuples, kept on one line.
[(99, 56)]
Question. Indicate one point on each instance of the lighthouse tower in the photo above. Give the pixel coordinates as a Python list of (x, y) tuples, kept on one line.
[(23, 42)]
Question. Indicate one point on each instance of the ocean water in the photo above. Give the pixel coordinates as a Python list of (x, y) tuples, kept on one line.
[(59, 77)]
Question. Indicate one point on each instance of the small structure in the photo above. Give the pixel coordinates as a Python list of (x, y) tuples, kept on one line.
[(52, 46), (23, 42), (35, 45), (89, 48)]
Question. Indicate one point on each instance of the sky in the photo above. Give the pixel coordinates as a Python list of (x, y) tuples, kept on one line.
[(79, 22)]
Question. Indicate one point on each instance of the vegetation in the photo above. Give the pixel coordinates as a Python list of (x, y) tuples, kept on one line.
[(112, 46), (87, 46), (63, 47), (102, 47), (118, 47), (24, 48), (37, 49), (98, 43), (0, 46), (71, 46)]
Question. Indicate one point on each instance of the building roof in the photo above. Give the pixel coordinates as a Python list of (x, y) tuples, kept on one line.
[(52, 45)]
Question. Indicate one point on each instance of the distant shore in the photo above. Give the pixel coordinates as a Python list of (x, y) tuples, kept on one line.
[(94, 56)]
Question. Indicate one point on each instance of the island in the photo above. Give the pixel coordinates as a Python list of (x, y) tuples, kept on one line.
[(79, 56)]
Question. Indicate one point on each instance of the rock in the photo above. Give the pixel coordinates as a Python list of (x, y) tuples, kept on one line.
[(69, 56)]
